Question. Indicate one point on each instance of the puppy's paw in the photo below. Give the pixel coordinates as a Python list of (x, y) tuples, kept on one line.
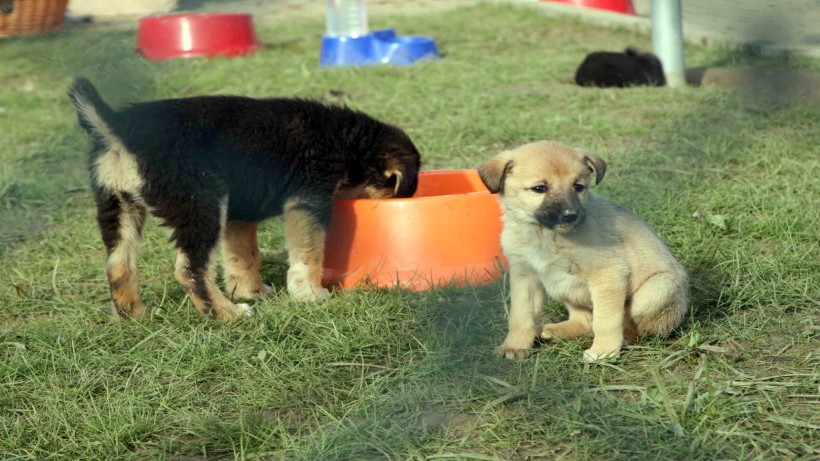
[(235, 311), (545, 332), (593, 356), (321, 294), (512, 353), (265, 290), (256, 292), (302, 287), (306, 292), (261, 291), (567, 329), (246, 310), (515, 348)]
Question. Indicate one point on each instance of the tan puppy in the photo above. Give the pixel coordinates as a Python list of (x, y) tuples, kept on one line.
[(615, 276)]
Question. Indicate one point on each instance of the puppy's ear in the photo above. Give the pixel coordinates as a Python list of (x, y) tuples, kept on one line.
[(596, 164), (405, 183), (494, 171)]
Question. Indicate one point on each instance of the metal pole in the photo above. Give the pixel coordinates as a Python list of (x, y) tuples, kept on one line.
[(667, 39)]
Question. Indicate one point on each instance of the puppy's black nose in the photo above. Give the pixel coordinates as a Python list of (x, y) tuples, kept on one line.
[(569, 216)]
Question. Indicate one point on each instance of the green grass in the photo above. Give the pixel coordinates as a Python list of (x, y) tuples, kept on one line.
[(728, 179)]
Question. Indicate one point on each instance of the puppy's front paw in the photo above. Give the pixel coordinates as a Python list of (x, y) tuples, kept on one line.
[(320, 294), (592, 356), (512, 353), (306, 292), (265, 290), (258, 291), (245, 310), (235, 311), (303, 287), (514, 348)]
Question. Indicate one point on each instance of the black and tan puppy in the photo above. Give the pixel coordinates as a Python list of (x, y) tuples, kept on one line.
[(212, 167), (615, 276)]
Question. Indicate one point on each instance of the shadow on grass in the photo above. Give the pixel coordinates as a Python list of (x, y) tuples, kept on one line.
[(542, 407), (458, 382)]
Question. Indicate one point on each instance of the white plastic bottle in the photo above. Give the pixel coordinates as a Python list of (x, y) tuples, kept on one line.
[(346, 18)]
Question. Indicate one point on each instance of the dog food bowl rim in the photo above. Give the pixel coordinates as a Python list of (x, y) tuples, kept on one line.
[(423, 198), (193, 15)]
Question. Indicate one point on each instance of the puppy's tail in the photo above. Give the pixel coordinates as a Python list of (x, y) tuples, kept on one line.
[(95, 115)]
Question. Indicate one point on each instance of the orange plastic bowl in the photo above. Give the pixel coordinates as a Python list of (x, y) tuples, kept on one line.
[(188, 35), (448, 233)]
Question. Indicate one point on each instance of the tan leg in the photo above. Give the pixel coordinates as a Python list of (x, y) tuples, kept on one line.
[(201, 287), (578, 324), (242, 261), (526, 300), (608, 312), (195, 269), (305, 243), (121, 267)]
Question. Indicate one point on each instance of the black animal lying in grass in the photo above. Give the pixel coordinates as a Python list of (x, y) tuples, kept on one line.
[(630, 68)]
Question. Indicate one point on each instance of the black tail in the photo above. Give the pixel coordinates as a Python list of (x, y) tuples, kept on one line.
[(94, 115)]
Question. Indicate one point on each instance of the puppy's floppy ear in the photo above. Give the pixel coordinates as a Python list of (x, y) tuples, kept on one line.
[(494, 172), (405, 180), (596, 164)]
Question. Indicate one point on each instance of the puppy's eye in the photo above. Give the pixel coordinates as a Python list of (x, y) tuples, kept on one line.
[(580, 187), (539, 189)]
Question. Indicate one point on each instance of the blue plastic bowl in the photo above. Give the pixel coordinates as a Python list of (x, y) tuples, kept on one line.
[(379, 47)]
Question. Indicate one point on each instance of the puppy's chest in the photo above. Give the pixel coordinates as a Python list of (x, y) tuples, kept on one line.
[(560, 277)]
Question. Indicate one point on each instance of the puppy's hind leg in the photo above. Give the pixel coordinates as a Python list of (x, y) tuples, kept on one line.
[(578, 324), (120, 219), (197, 239), (242, 260), (660, 304), (305, 243)]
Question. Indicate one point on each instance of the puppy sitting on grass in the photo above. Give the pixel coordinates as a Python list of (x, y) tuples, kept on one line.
[(615, 276)]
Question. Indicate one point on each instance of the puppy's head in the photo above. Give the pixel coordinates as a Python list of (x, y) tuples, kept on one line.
[(650, 65), (544, 183), (389, 168)]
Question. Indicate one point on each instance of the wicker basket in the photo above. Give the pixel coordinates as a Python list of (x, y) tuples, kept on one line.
[(32, 17)]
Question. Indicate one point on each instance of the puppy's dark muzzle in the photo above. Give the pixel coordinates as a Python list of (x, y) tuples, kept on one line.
[(569, 217), (562, 218)]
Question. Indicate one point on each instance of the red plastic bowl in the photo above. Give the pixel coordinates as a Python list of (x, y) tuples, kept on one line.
[(618, 6), (448, 233), (188, 35)]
